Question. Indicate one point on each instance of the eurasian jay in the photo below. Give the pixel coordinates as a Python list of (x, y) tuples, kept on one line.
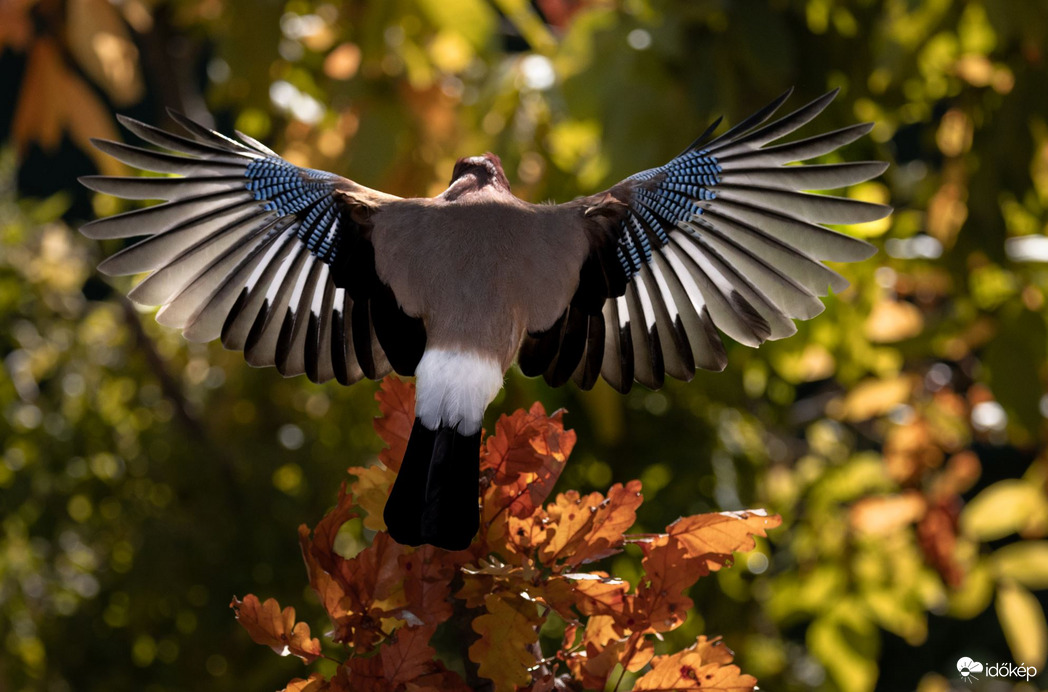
[(317, 274)]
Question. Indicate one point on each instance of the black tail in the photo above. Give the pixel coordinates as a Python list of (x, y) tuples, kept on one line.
[(435, 497)]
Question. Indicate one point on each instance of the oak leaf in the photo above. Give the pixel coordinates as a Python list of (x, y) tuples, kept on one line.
[(371, 490), (268, 624), (570, 518), (614, 516), (602, 649), (396, 402), (659, 604), (408, 655), (595, 593), (524, 459), (714, 537), (329, 591), (703, 667), (314, 683), (507, 632), (427, 583)]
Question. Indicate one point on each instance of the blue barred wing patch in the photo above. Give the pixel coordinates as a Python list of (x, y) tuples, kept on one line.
[(656, 209), (302, 192)]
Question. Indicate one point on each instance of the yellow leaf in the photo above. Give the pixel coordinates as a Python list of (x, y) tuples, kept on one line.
[(370, 491), (872, 398), (1005, 507), (503, 652), (1026, 562), (343, 62), (974, 594), (893, 320), (1022, 620)]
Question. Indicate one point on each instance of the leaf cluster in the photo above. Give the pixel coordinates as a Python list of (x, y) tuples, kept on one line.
[(526, 566)]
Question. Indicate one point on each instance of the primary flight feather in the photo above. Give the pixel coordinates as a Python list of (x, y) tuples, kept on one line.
[(318, 275)]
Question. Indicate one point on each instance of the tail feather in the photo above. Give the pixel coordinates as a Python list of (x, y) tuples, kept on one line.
[(435, 497)]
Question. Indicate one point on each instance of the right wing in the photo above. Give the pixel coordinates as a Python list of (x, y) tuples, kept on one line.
[(720, 239), (273, 259)]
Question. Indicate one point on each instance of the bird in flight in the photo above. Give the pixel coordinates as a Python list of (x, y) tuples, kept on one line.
[(318, 275)]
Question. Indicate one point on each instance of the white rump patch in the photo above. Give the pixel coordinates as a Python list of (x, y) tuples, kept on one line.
[(453, 388)]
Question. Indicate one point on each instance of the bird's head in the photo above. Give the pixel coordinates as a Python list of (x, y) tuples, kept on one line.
[(477, 172)]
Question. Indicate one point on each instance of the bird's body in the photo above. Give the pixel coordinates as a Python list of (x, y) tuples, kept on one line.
[(319, 275)]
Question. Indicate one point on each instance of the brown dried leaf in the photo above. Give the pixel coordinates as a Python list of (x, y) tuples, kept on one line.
[(16, 24), (427, 583), (276, 628), (408, 655), (396, 402), (327, 589)]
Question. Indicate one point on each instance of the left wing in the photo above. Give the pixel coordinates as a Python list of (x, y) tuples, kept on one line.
[(720, 238), (274, 259)]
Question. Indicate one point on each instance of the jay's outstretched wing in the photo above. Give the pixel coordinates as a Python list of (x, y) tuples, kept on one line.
[(721, 237), (273, 258)]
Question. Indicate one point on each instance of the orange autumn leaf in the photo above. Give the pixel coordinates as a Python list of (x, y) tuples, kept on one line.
[(323, 544), (614, 516), (507, 632), (268, 624), (570, 517), (603, 649), (314, 683), (596, 593), (524, 459), (387, 601), (577, 529), (326, 588), (54, 99), (659, 604), (352, 590), (714, 537), (409, 661), (700, 668), (525, 440), (396, 402)]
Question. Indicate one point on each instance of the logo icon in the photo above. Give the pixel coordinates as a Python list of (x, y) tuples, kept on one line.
[(968, 668)]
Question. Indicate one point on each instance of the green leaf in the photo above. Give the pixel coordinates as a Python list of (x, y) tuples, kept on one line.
[(846, 642)]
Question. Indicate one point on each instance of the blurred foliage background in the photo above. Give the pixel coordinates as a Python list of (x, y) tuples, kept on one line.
[(145, 480)]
